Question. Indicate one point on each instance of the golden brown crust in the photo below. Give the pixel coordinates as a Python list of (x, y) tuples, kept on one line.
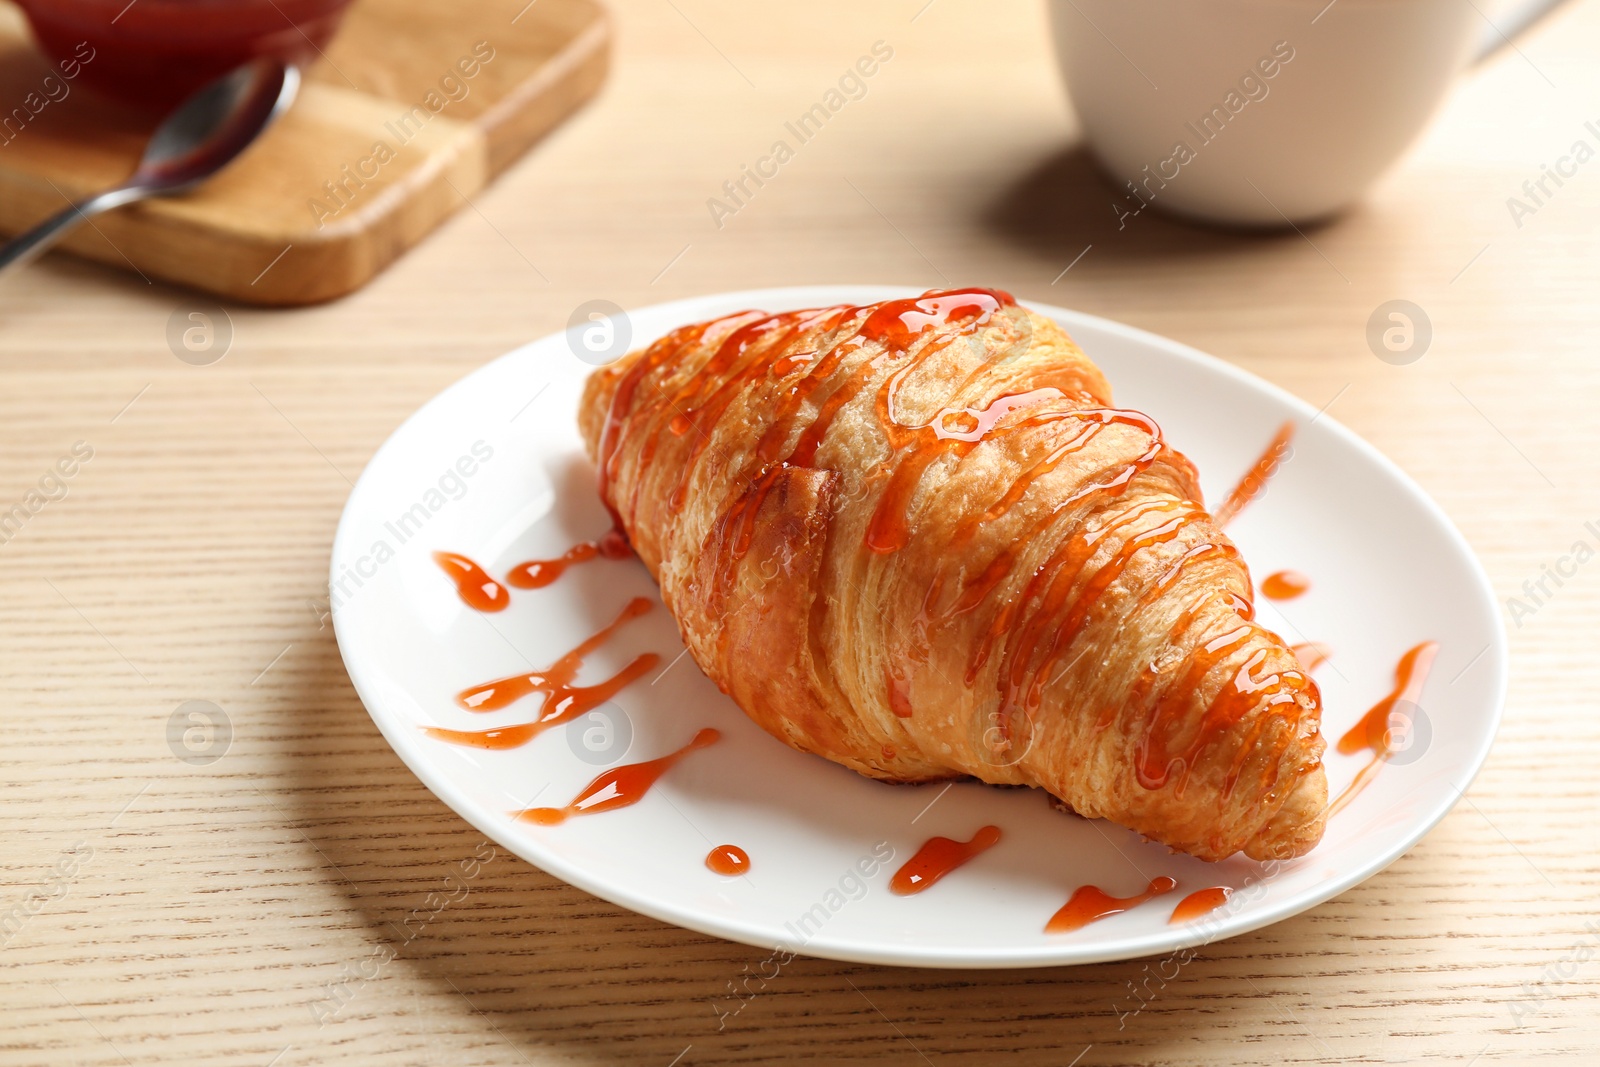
[(916, 539)]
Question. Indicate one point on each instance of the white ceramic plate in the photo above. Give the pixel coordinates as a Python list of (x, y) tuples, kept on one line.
[(1389, 570)]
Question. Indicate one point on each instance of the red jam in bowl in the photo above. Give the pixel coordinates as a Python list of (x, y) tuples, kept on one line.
[(156, 52)]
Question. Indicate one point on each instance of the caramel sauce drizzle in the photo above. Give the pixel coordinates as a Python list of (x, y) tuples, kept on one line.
[(1373, 732), (538, 573), (1200, 902), (476, 588), (938, 857), (1090, 903), (563, 701), (1256, 478), (619, 787)]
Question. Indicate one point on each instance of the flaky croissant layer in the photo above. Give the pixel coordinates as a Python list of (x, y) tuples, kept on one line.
[(917, 538)]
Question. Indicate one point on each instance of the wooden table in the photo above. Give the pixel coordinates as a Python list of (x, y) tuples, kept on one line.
[(198, 913)]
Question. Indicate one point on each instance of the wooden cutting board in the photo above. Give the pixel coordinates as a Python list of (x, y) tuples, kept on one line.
[(386, 140)]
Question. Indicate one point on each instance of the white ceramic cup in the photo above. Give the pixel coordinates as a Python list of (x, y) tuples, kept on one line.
[(1262, 112)]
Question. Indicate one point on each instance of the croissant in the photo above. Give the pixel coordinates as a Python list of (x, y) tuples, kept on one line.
[(917, 539)]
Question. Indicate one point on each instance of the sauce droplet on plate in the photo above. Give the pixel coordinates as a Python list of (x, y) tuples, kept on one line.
[(1285, 585), (1256, 478), (730, 860), (538, 573), (563, 701), (937, 858), (1386, 728), (1200, 902), (1090, 902), (473, 583), (619, 787)]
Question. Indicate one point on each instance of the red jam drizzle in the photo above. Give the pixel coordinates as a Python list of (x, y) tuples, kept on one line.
[(1022, 679), (674, 390), (1200, 902), (1252, 687), (477, 589), (786, 366), (900, 323), (1285, 585), (1050, 584), (899, 699), (1375, 732), (744, 354), (619, 787), (538, 573), (896, 326), (563, 701), (1256, 477), (728, 860), (1090, 903), (1082, 426), (622, 421), (953, 431), (937, 858)]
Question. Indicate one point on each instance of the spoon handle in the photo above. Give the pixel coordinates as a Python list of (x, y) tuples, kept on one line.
[(25, 247)]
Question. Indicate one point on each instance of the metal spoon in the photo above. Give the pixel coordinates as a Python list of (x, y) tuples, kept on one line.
[(204, 134)]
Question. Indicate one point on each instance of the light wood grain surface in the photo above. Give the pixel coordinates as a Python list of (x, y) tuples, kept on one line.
[(208, 909), (413, 109)]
